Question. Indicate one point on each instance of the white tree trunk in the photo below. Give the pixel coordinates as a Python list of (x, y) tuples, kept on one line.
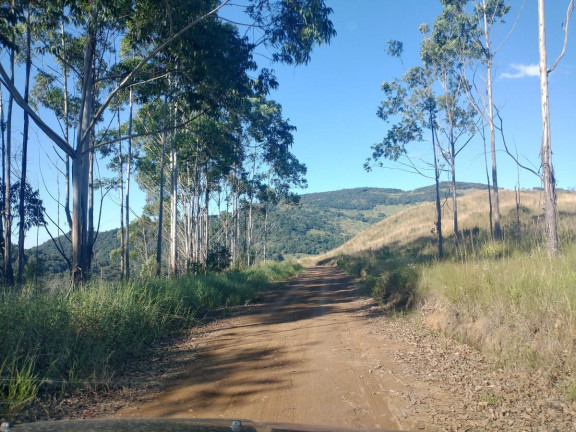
[(81, 160), (550, 207), (173, 210)]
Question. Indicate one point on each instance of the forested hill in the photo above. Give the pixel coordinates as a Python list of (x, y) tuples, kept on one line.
[(326, 220), (320, 223), (50, 260)]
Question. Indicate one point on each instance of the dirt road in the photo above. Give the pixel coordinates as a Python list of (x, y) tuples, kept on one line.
[(305, 356), (316, 352)]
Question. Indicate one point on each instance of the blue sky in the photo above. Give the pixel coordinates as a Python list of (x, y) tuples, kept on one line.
[(333, 100)]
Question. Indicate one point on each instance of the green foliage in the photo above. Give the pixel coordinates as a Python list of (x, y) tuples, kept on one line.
[(50, 260), (292, 27), (397, 290), (34, 210), (21, 385), (391, 277), (492, 250), (218, 259)]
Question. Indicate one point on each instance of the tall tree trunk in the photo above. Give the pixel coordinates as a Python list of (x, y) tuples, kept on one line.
[(454, 194), (8, 270), (173, 210), (249, 227), (206, 221), (495, 204), (121, 197), (196, 213), (437, 187), (189, 208), (489, 188), (236, 222), (127, 203), (66, 128), (161, 205), (550, 201), (2, 175), (81, 160), (91, 233), (21, 206), (265, 232)]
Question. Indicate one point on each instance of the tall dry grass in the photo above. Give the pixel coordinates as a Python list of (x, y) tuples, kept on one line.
[(509, 298), (416, 224), (519, 308)]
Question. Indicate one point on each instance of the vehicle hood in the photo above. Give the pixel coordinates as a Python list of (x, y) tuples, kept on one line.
[(171, 425)]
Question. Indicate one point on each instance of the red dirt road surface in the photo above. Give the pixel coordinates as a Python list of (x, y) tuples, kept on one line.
[(305, 356), (317, 352)]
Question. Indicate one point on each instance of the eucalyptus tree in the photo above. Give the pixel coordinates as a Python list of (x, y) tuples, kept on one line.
[(34, 214), (121, 162), (547, 168), (207, 149), (25, 134), (160, 36), (208, 162), (469, 27), (412, 100), (9, 18), (269, 138), (88, 19), (446, 52), (489, 13), (271, 196), (34, 20)]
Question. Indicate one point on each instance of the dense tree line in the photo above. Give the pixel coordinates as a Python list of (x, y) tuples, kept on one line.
[(169, 94)]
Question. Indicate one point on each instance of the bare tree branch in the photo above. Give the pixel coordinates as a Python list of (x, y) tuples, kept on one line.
[(514, 158), (569, 11)]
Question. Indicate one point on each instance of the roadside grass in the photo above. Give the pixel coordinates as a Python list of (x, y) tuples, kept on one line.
[(520, 308), (508, 299), (53, 340)]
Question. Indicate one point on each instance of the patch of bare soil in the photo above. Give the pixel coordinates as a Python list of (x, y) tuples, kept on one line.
[(316, 352)]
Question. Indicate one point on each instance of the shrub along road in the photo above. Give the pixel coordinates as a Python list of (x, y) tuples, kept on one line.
[(317, 352)]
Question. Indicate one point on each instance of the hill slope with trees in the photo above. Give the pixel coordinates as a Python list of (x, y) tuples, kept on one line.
[(326, 220), (322, 221)]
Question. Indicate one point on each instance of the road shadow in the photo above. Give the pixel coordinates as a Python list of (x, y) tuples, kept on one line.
[(245, 362)]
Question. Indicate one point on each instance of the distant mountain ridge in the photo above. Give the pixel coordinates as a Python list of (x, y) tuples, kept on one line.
[(322, 221)]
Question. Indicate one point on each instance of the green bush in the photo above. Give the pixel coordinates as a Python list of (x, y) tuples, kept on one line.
[(492, 250), (397, 289)]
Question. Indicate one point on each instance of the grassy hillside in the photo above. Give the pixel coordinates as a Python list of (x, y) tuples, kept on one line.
[(415, 225), (326, 220), (509, 299)]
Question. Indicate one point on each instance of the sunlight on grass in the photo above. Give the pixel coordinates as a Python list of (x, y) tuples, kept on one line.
[(506, 298), (83, 337)]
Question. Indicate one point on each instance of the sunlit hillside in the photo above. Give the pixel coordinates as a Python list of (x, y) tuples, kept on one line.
[(417, 223)]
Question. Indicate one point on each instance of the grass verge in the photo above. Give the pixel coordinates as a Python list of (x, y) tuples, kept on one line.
[(53, 341), (510, 300)]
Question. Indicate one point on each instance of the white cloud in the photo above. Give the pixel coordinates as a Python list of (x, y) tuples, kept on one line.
[(522, 71)]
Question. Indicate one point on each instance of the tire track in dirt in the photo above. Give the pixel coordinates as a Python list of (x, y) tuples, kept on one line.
[(304, 356)]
